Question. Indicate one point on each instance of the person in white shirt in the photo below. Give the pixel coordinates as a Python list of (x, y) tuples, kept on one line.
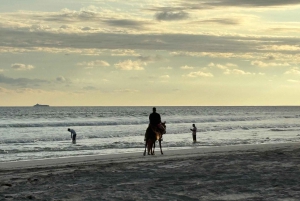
[(194, 131), (73, 135)]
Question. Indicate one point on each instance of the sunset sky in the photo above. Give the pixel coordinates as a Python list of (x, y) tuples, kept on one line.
[(149, 53)]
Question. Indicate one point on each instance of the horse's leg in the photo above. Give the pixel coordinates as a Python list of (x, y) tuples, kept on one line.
[(160, 146), (153, 147), (145, 147), (149, 146)]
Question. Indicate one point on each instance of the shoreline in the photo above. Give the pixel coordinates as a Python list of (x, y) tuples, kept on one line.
[(241, 172), (138, 156)]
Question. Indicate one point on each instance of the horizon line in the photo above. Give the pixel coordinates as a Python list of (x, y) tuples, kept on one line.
[(156, 106)]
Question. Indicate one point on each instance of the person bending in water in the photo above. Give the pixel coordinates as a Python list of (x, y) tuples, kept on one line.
[(73, 135)]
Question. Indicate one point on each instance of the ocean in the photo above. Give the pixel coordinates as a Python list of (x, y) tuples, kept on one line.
[(28, 133)]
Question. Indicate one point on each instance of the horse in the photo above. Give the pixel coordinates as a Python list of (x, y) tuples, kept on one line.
[(152, 134)]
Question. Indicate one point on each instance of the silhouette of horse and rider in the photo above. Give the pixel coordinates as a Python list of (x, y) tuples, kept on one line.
[(154, 132)]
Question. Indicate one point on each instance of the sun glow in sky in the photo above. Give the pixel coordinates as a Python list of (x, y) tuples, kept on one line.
[(142, 52)]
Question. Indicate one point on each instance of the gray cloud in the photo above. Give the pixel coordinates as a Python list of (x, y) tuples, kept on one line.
[(169, 42), (90, 88), (224, 21), (151, 58), (23, 82), (171, 16), (204, 5), (61, 79), (133, 24), (270, 57), (286, 29), (69, 16), (252, 3), (18, 66)]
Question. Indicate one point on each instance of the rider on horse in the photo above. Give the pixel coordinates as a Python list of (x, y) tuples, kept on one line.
[(154, 125)]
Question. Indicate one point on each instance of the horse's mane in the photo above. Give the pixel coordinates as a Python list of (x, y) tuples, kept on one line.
[(157, 131)]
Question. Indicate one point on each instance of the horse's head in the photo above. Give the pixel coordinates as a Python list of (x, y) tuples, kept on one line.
[(164, 127)]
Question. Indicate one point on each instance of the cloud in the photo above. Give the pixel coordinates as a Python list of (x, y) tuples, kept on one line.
[(293, 81), (150, 58), (165, 76), (280, 47), (67, 15), (126, 91), (130, 65), (70, 20), (90, 88), (285, 29), (133, 24), (199, 74), (270, 57), (186, 67), (21, 81), (180, 43), (166, 68), (171, 16), (201, 45), (222, 21), (201, 4), (231, 65), (247, 3), (223, 67), (123, 52), (18, 66), (60, 79), (293, 71), (66, 26), (92, 64), (217, 66), (88, 29), (39, 27), (194, 5), (263, 64), (236, 72)]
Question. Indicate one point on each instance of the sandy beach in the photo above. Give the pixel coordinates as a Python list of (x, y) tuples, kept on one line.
[(249, 172)]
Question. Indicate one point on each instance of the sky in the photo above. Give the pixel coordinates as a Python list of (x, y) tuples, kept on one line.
[(149, 53)]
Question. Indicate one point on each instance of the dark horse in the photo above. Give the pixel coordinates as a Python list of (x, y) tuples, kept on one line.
[(152, 134)]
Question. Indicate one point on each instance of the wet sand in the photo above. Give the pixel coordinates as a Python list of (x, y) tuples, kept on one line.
[(249, 172)]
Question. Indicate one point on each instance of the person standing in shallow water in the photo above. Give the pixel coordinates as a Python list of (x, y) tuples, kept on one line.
[(73, 135), (194, 131)]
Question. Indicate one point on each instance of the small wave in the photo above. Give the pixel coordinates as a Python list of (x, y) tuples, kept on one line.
[(117, 121), (116, 145), (283, 129), (68, 124)]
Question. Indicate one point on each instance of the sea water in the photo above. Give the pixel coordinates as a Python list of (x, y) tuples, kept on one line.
[(28, 133)]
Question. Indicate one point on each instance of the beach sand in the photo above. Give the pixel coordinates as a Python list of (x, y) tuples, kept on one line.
[(248, 172)]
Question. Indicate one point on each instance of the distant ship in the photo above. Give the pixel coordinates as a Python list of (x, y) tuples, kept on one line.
[(39, 105)]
